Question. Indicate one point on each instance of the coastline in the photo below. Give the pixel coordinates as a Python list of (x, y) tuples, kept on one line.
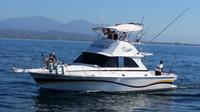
[(31, 39), (87, 41)]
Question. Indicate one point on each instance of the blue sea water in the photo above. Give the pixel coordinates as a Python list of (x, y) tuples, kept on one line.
[(19, 92)]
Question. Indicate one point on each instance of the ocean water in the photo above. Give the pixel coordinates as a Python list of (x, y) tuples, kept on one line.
[(19, 92)]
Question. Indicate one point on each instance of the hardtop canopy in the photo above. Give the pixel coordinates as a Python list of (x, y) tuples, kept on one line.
[(127, 27)]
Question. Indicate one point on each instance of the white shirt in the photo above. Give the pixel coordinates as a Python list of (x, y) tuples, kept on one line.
[(159, 67)]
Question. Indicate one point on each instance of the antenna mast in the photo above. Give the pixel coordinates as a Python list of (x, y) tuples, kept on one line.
[(103, 17)]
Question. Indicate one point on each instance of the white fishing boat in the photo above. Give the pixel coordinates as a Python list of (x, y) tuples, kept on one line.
[(110, 64)]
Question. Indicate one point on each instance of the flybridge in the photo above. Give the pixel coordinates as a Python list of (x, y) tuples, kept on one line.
[(127, 27), (119, 31), (115, 40)]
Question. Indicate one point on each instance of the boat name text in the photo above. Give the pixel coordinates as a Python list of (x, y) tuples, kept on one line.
[(124, 49)]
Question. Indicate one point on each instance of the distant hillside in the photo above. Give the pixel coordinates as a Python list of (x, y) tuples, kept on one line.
[(40, 23), (45, 35), (44, 28)]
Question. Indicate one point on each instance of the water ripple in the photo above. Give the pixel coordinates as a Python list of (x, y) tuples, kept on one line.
[(21, 93)]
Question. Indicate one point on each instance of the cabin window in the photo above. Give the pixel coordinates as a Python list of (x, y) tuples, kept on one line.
[(121, 61), (128, 62), (105, 61), (97, 59)]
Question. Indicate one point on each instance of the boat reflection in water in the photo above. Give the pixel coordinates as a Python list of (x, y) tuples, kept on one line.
[(120, 102)]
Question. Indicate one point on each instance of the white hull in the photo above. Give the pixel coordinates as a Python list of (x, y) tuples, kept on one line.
[(102, 86), (106, 84)]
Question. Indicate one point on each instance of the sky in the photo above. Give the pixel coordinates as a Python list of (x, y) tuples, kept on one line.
[(157, 14)]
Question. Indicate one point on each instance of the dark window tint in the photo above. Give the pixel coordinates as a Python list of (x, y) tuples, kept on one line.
[(104, 61), (97, 59), (128, 62)]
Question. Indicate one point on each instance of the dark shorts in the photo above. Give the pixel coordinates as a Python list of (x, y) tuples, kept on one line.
[(157, 73)]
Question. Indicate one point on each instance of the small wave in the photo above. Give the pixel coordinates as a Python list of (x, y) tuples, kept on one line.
[(2, 70), (102, 110), (6, 93), (3, 105), (24, 83), (92, 91), (189, 86), (177, 94), (18, 83)]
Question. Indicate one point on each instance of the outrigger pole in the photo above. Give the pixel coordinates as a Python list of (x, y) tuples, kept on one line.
[(143, 32), (170, 24), (140, 32)]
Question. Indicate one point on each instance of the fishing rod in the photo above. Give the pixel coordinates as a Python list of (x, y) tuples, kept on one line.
[(173, 63), (42, 56), (184, 11), (43, 59)]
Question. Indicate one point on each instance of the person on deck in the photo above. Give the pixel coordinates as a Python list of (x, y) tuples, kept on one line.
[(52, 57), (109, 33), (159, 68), (51, 61), (115, 35)]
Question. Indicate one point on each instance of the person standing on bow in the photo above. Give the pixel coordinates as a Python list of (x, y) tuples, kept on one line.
[(51, 61)]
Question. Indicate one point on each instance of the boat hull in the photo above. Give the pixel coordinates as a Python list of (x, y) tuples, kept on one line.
[(105, 84)]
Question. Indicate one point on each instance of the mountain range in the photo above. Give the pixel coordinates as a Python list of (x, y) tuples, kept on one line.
[(42, 27)]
